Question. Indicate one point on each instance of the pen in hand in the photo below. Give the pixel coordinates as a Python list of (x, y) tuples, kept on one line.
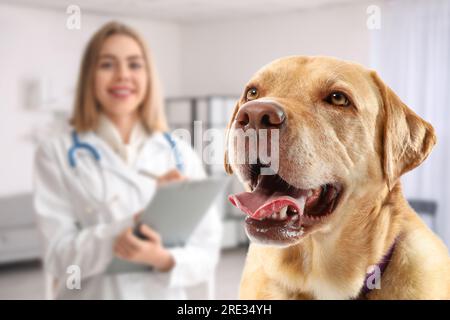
[(170, 176), (149, 174)]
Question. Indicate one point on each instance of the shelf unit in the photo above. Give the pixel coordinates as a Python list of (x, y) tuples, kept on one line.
[(211, 112)]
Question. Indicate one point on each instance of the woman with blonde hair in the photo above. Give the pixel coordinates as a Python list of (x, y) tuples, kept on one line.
[(89, 183)]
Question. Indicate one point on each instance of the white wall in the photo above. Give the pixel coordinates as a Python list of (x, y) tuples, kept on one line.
[(221, 57), (35, 44)]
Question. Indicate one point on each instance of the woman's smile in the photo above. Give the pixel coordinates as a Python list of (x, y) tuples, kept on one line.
[(121, 92)]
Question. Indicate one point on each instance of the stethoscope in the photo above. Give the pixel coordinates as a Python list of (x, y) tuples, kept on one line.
[(102, 200)]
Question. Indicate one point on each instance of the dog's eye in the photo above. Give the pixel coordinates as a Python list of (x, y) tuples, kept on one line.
[(252, 94), (338, 99)]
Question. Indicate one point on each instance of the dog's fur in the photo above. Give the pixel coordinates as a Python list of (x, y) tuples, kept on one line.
[(365, 147)]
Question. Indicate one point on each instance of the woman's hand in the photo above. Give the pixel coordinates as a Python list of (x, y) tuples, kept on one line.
[(150, 251), (170, 176)]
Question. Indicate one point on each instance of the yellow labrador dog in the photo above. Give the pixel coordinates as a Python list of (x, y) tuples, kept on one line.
[(330, 221)]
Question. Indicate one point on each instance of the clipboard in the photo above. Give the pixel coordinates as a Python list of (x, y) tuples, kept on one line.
[(174, 212)]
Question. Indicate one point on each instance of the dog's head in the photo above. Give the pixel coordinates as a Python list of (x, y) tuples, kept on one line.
[(337, 136)]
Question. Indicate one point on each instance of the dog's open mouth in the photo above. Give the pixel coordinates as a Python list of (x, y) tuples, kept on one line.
[(279, 213)]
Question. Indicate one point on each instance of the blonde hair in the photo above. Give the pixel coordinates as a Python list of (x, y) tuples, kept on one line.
[(86, 109)]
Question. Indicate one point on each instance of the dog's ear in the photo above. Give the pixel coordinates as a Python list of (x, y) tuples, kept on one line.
[(407, 138), (226, 161)]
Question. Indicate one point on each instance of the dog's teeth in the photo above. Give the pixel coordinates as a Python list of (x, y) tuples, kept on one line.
[(283, 214), (302, 231), (295, 217)]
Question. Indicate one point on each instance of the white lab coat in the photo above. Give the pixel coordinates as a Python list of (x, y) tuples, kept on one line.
[(77, 232)]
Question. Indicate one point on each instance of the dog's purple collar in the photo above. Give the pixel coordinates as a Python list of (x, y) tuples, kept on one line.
[(382, 265)]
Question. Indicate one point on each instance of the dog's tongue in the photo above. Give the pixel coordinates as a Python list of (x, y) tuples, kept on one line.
[(259, 204)]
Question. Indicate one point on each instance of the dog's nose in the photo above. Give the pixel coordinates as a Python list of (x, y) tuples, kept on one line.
[(260, 115)]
